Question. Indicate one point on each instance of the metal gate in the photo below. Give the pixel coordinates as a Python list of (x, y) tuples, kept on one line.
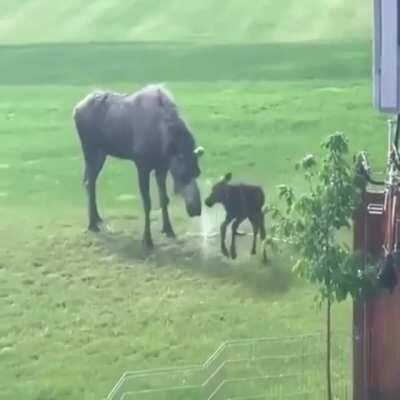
[(254, 369)]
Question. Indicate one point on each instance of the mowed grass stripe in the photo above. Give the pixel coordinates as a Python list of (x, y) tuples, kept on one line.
[(105, 63), (39, 21)]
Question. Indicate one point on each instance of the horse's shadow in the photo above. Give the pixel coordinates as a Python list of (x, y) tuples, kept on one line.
[(201, 257)]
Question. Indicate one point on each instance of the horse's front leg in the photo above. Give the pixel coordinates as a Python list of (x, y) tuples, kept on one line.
[(94, 160), (161, 176), (144, 184)]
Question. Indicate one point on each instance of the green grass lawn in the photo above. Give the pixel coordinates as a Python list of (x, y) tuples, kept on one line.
[(77, 310)]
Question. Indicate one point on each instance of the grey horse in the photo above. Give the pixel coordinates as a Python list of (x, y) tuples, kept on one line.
[(147, 128)]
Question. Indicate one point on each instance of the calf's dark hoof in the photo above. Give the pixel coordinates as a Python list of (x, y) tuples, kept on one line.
[(233, 254), (225, 252)]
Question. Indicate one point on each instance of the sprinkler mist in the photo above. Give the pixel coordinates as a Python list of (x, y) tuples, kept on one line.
[(208, 228)]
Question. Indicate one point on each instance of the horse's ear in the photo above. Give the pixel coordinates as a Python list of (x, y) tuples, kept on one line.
[(198, 151), (228, 177)]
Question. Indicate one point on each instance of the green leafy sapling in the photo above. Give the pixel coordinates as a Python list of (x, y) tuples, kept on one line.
[(313, 224)]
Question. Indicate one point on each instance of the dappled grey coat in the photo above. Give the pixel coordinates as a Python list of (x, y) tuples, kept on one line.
[(142, 126), (145, 127)]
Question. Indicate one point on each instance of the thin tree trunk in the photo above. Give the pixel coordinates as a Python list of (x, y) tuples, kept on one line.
[(328, 347)]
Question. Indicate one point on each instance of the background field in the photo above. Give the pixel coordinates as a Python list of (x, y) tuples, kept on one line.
[(261, 85), (207, 21)]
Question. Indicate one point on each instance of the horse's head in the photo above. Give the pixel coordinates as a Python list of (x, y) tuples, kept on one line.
[(218, 191), (184, 168)]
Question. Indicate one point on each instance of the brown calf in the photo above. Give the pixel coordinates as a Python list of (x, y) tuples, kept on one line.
[(241, 202)]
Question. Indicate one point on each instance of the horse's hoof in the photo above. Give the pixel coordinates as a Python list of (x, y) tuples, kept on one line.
[(93, 228), (148, 245), (225, 253), (169, 233), (233, 255)]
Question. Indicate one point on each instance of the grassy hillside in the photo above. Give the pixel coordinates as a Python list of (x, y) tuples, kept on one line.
[(24, 21)]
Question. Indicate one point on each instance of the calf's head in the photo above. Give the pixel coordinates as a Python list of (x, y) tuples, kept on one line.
[(218, 192)]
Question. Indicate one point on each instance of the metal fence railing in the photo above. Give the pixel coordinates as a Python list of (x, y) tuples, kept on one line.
[(255, 369)]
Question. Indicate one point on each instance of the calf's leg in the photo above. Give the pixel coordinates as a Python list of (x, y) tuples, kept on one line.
[(224, 225), (262, 227), (161, 176), (256, 227), (235, 226), (263, 236)]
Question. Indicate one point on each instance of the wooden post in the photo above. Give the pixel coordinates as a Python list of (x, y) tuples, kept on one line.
[(376, 321)]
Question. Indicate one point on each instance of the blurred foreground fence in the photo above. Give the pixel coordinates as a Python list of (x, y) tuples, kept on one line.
[(254, 369)]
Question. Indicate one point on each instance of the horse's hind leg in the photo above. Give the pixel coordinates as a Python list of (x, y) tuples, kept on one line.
[(161, 176), (94, 159), (144, 184)]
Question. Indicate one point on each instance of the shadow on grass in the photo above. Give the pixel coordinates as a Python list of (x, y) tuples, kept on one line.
[(94, 63), (188, 254)]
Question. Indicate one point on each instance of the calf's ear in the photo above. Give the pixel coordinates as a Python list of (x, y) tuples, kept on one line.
[(228, 177)]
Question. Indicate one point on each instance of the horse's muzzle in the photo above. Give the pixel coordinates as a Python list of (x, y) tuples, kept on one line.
[(191, 194), (193, 211)]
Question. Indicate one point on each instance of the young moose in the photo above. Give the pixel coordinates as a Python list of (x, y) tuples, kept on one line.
[(241, 202)]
